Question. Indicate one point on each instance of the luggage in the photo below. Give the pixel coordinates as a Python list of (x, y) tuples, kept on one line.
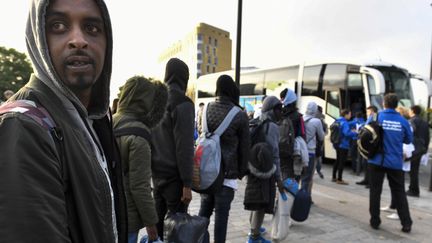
[(301, 206), (184, 228)]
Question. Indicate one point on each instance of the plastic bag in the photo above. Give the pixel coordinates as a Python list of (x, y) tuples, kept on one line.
[(281, 219), (184, 228), (424, 159)]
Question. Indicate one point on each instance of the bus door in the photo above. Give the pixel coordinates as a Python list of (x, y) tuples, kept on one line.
[(374, 86)]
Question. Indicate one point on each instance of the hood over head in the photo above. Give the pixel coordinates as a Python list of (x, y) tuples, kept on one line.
[(44, 70), (269, 103), (176, 74), (290, 97), (143, 99), (226, 87), (311, 109)]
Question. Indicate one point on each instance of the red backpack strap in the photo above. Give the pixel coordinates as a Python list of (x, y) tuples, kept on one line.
[(30, 109)]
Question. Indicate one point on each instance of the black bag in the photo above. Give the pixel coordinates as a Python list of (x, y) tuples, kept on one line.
[(184, 228), (335, 133), (370, 140), (287, 138), (301, 205)]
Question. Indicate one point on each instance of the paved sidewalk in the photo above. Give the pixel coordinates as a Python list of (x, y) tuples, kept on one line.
[(340, 214)]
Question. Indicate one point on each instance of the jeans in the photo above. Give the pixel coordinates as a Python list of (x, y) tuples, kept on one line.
[(168, 198), (341, 156), (133, 237), (318, 164), (414, 176), (221, 203), (397, 187), (307, 179)]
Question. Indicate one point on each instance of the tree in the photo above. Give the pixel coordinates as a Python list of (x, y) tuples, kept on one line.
[(15, 70)]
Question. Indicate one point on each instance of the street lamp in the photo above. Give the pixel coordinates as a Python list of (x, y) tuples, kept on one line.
[(238, 49)]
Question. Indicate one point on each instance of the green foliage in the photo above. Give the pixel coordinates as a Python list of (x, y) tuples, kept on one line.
[(15, 70)]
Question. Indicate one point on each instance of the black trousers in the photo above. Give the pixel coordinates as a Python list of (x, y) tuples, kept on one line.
[(366, 170), (168, 199), (341, 157), (414, 176), (397, 187)]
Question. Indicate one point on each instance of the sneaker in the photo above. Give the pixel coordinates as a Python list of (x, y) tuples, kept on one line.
[(388, 209), (260, 239), (342, 182), (321, 175), (362, 183), (406, 229), (262, 231), (333, 180), (394, 216), (412, 194)]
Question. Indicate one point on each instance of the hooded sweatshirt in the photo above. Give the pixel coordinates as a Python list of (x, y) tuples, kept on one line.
[(80, 125), (313, 125), (141, 105), (173, 138), (272, 135)]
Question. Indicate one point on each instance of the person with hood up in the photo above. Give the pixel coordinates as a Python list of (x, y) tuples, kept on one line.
[(141, 105), (291, 113), (173, 146), (235, 143), (314, 133), (260, 188), (63, 184)]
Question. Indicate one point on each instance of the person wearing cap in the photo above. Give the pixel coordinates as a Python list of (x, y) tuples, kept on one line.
[(173, 146), (235, 143), (290, 111), (260, 190)]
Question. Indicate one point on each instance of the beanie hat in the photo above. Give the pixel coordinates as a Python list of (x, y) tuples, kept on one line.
[(269, 103), (290, 97), (225, 86)]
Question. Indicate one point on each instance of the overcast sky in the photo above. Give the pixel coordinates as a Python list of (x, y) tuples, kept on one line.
[(275, 32)]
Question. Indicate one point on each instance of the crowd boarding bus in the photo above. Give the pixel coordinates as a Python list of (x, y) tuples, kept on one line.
[(332, 85)]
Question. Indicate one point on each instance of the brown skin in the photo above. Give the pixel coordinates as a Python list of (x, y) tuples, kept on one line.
[(77, 43)]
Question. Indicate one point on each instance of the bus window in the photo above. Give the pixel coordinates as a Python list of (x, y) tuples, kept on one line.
[(333, 103), (252, 84), (278, 79), (354, 80), (375, 99), (334, 77), (310, 80)]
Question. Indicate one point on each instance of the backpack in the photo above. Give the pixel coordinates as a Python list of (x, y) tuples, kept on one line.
[(301, 206), (370, 139), (286, 139), (335, 133), (207, 174)]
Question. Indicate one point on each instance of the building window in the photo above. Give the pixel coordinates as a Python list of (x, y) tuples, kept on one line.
[(209, 59), (199, 66), (209, 40), (216, 61), (200, 36), (199, 46), (208, 68), (199, 56), (214, 51), (214, 69), (215, 42), (207, 49)]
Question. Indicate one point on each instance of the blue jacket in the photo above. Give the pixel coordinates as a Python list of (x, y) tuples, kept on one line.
[(346, 134), (396, 132)]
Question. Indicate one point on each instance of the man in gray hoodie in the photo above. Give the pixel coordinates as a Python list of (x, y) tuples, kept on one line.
[(314, 132)]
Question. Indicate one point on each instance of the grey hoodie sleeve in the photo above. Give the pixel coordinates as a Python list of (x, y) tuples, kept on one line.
[(273, 139), (320, 131), (183, 130)]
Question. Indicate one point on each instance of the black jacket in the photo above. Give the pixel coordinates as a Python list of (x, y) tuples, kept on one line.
[(235, 141), (421, 130), (173, 141)]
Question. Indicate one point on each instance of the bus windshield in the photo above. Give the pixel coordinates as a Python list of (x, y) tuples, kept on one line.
[(397, 81)]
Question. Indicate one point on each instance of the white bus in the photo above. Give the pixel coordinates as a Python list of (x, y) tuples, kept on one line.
[(332, 85)]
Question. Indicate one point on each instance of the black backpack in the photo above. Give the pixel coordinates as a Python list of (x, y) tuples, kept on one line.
[(370, 140), (287, 138), (335, 133)]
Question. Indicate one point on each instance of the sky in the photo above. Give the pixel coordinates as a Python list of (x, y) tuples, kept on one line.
[(275, 33)]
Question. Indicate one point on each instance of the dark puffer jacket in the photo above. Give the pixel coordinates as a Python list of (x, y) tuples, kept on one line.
[(235, 141)]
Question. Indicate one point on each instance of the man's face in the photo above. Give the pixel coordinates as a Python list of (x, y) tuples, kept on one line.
[(76, 39), (369, 112)]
